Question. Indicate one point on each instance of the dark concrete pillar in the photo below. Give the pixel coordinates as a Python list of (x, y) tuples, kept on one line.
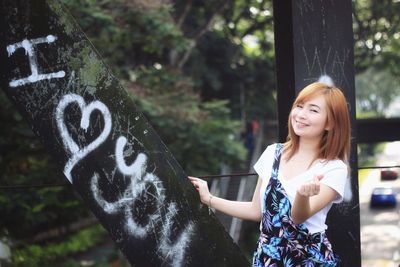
[(315, 38), (102, 142)]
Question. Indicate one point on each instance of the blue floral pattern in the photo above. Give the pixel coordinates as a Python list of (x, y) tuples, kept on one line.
[(283, 243)]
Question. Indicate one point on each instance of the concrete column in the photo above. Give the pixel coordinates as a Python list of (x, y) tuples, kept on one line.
[(315, 38)]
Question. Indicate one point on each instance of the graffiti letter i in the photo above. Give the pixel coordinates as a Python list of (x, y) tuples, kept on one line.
[(35, 76)]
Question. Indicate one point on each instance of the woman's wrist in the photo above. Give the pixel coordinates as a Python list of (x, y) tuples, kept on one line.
[(210, 197)]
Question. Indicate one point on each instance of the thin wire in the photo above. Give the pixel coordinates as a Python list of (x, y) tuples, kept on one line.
[(226, 175), (12, 187), (378, 167)]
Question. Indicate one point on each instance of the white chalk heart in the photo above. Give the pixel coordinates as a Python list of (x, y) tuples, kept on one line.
[(79, 153)]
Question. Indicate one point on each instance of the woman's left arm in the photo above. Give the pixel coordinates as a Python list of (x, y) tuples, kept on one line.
[(310, 198)]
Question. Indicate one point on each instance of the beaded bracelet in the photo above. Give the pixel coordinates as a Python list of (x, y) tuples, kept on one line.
[(209, 204)]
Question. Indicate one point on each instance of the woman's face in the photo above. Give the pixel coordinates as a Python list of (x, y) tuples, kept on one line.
[(309, 118)]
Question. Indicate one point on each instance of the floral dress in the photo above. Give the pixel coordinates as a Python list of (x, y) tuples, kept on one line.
[(283, 243)]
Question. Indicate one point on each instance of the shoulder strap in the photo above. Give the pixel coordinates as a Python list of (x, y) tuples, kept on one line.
[(277, 159)]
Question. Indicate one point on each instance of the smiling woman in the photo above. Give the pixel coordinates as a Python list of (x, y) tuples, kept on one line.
[(299, 182)]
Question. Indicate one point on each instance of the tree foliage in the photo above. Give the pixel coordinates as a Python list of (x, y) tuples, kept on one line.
[(376, 27), (376, 89)]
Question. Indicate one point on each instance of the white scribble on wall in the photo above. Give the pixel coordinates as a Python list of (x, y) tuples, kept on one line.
[(28, 46), (76, 152), (141, 185), (137, 168), (174, 251), (327, 61)]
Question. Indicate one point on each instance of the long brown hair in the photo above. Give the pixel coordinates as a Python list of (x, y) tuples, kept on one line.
[(335, 142)]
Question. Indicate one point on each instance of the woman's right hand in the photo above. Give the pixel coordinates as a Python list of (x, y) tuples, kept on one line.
[(202, 187), (311, 187)]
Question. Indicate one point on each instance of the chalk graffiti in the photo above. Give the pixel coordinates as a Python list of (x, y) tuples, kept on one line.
[(28, 46), (304, 6), (79, 153), (175, 252), (332, 62), (139, 180), (132, 169), (141, 184)]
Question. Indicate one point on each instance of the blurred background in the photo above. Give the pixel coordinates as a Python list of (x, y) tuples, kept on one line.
[(203, 73)]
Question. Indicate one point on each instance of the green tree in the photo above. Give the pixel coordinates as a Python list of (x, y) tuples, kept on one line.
[(376, 27), (375, 90), (377, 55), (234, 59)]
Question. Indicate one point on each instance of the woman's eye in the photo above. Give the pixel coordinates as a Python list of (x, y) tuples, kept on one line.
[(299, 106), (314, 110)]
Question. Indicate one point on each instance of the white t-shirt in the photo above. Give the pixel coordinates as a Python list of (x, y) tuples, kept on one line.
[(335, 176)]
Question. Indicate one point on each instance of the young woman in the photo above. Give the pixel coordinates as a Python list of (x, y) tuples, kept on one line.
[(299, 181)]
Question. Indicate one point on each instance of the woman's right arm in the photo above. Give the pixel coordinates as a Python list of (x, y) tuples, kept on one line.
[(250, 210)]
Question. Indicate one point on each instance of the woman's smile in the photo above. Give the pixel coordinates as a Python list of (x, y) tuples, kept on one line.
[(301, 124)]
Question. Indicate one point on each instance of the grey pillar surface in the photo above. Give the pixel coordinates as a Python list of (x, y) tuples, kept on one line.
[(315, 38), (102, 143)]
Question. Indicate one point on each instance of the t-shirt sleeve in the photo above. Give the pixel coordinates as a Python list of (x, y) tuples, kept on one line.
[(263, 166), (336, 178)]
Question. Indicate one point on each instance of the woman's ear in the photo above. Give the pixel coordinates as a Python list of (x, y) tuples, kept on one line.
[(328, 127)]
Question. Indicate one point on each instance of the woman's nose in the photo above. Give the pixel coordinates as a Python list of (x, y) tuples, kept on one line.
[(302, 113)]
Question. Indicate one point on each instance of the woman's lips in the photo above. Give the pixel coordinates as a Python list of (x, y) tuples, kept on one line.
[(301, 124)]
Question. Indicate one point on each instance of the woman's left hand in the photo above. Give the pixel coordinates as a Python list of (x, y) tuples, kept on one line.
[(311, 187)]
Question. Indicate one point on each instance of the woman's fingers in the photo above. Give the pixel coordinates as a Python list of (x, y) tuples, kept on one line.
[(194, 180), (202, 187), (311, 187), (197, 180), (198, 183), (195, 184)]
